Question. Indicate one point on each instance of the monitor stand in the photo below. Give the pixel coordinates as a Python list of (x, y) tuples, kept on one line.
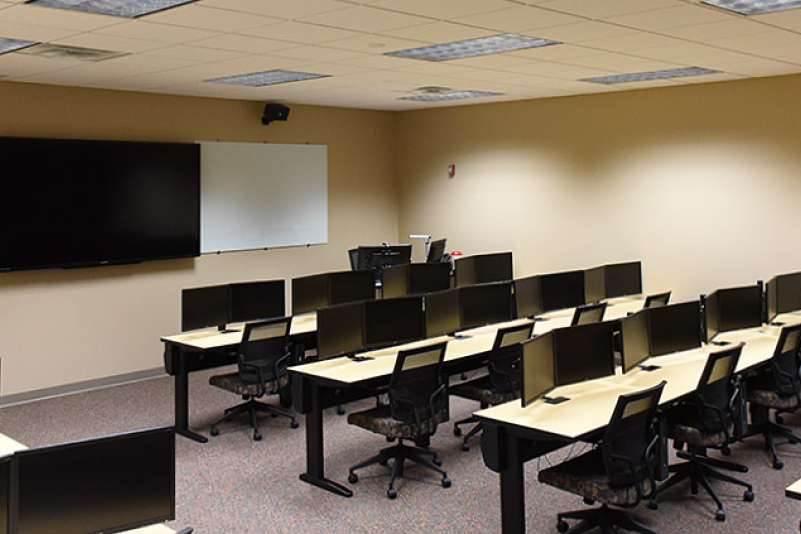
[(221, 329), (721, 343), (649, 368), (555, 400)]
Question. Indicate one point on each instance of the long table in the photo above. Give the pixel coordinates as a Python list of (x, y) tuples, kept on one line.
[(206, 349), (334, 382), (514, 435)]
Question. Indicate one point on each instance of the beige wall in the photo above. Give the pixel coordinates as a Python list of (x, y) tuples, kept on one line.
[(60, 327), (701, 182)]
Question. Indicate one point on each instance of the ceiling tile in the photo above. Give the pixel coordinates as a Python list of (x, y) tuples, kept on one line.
[(55, 18), (366, 19), (374, 44), (206, 18), (443, 9), (584, 31), (440, 32), (285, 9), (108, 42), (242, 43), (634, 42), (785, 19), (600, 9), (162, 33), (195, 53), (318, 53), (735, 27), (300, 32), (518, 19), (32, 32), (672, 17)]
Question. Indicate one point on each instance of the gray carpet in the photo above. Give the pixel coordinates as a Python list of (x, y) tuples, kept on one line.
[(236, 486)]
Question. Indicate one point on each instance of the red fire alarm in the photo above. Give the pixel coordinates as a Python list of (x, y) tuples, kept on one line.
[(451, 170)]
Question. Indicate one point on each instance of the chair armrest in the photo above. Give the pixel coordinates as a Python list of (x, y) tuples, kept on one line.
[(281, 362)]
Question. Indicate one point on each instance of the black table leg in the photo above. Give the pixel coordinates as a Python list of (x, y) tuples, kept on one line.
[(513, 496), (315, 467), (182, 408)]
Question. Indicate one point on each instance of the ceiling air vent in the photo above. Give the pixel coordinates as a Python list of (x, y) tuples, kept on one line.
[(74, 53)]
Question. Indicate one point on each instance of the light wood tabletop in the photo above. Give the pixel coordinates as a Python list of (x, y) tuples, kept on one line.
[(9, 446), (592, 403), (794, 490), (152, 529), (208, 338)]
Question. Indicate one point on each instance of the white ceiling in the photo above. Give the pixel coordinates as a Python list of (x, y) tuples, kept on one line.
[(175, 50)]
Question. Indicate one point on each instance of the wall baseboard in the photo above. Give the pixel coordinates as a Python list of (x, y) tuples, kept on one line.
[(81, 387)]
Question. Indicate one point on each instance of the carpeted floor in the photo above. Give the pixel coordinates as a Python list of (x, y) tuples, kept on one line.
[(236, 486)]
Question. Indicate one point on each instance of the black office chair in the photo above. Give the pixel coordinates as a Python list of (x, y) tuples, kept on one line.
[(263, 359), (777, 389), (589, 313), (619, 472), (707, 420), (502, 384), (418, 403), (657, 300)]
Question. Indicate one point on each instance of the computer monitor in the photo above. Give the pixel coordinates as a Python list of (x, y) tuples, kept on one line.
[(340, 330), (584, 352), (674, 328), (310, 293), (732, 309), (251, 301), (483, 269), (393, 321), (539, 371), (376, 258), (528, 296), (5, 494), (429, 277), (485, 304), (562, 290), (783, 294), (442, 313), (104, 485), (623, 279), (436, 251), (635, 340), (202, 307), (351, 286)]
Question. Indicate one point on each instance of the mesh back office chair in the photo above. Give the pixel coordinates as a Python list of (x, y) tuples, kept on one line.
[(418, 403), (263, 359), (589, 313), (619, 472), (503, 382), (777, 389), (707, 420), (657, 301)]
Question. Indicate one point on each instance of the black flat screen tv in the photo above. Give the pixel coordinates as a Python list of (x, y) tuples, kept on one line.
[(71, 203)]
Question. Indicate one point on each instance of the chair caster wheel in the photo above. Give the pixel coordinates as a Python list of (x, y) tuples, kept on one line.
[(436, 461), (463, 376), (353, 478), (589, 502), (725, 451), (465, 447), (457, 431), (748, 496), (392, 494), (294, 424), (256, 436), (214, 431), (778, 464), (562, 526), (653, 505), (340, 410), (446, 482), (720, 515), (779, 420)]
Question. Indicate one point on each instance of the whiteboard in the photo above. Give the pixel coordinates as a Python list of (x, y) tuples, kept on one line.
[(262, 195)]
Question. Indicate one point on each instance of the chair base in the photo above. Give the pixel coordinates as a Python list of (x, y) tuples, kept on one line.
[(457, 431), (698, 470), (770, 431), (401, 453), (605, 518), (252, 408)]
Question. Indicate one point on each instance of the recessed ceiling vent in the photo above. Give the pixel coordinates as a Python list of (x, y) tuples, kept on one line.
[(74, 53)]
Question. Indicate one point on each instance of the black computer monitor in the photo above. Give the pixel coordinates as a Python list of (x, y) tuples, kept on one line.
[(674, 328), (528, 296), (251, 301), (375, 258), (732, 309), (436, 251), (783, 294), (429, 277), (483, 269), (5, 494), (539, 371), (485, 304), (635, 340), (340, 330), (202, 307), (351, 286), (584, 352), (310, 293), (623, 279), (442, 313), (104, 485), (393, 321), (562, 290)]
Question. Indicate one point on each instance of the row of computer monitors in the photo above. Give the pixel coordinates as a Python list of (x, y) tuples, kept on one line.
[(241, 302), (569, 355), (111, 484)]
